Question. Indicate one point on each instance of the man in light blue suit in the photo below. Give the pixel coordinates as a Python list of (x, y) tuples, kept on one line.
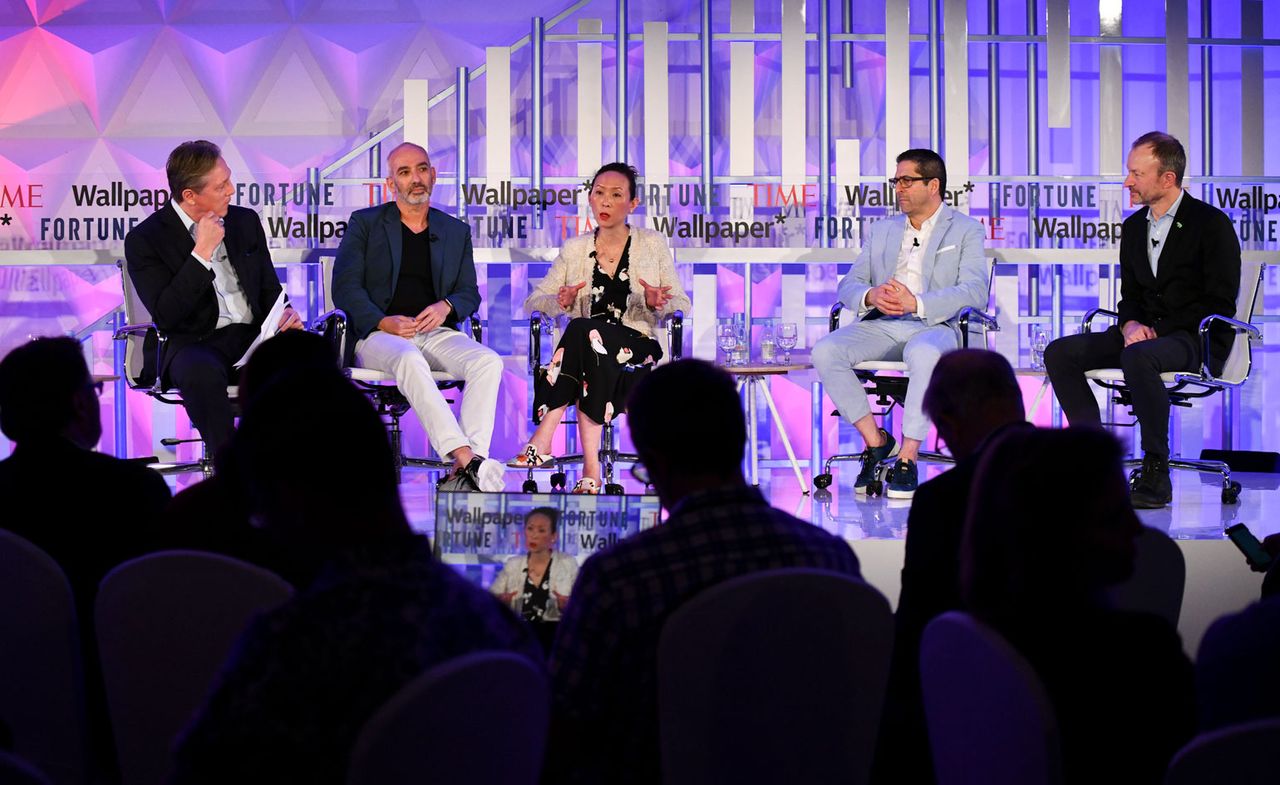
[(914, 275), (405, 277)]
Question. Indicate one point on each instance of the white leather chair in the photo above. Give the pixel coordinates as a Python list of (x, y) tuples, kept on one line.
[(990, 720), (166, 623), (41, 672), (777, 676), (1186, 386), (480, 719)]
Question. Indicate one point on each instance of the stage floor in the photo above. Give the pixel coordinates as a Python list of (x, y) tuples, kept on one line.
[(1196, 514)]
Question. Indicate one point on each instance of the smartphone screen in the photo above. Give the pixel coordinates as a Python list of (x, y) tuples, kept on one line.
[(1249, 545)]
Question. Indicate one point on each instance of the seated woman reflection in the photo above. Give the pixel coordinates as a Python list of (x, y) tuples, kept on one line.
[(618, 283), (536, 584)]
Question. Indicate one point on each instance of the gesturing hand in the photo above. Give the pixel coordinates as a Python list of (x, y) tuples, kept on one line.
[(655, 297), (568, 294)]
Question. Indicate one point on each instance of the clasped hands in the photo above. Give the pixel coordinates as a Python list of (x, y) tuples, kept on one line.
[(892, 298), (431, 317)]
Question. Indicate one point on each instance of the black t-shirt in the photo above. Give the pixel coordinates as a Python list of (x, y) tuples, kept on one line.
[(415, 288)]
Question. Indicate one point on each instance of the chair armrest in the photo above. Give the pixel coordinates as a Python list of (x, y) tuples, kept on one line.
[(985, 320), (135, 329), (332, 325), (476, 328), (834, 322), (1087, 325), (674, 322), (1206, 375)]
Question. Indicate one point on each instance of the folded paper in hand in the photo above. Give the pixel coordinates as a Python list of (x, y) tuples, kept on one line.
[(270, 326)]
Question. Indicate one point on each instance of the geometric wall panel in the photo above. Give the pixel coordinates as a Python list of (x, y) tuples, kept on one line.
[(293, 96), (166, 98)]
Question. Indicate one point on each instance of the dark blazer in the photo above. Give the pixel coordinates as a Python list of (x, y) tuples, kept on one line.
[(178, 291), (1199, 273), (368, 267)]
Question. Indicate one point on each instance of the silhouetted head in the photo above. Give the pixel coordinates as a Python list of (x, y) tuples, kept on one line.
[(1049, 523), (971, 393), (313, 463), (46, 392), (687, 425)]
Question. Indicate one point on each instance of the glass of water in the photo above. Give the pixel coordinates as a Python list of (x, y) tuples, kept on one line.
[(1039, 341), (727, 340), (788, 336)]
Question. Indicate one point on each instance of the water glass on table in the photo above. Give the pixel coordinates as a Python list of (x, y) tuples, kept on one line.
[(727, 340), (788, 337)]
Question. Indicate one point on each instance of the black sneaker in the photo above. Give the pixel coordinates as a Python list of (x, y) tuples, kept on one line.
[(871, 458), (1153, 488), (462, 480), (902, 480)]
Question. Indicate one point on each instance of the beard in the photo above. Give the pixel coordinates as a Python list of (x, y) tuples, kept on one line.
[(415, 199)]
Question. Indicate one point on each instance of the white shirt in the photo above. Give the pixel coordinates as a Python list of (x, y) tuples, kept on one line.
[(1158, 231), (910, 269), (233, 305)]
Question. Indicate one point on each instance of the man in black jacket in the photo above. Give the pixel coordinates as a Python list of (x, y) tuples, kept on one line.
[(1179, 262), (201, 267), (973, 398)]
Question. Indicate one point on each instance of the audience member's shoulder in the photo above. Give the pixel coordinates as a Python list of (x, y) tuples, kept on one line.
[(1260, 618), (134, 474)]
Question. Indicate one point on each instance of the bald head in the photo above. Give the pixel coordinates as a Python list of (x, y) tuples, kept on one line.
[(972, 392), (410, 176)]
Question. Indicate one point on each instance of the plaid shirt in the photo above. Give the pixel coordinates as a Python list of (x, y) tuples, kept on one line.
[(604, 661)]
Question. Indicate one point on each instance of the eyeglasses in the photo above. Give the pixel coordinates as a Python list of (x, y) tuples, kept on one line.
[(907, 181), (640, 474)]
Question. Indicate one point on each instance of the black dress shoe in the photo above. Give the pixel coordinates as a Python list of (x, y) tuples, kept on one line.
[(1153, 489)]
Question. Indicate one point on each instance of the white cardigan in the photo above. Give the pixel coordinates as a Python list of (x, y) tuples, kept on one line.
[(649, 258), (564, 571)]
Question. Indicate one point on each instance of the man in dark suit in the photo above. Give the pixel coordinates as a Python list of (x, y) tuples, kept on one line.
[(973, 397), (202, 268), (405, 278), (1179, 262)]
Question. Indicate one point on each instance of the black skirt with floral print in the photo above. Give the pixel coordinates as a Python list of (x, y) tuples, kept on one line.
[(598, 360)]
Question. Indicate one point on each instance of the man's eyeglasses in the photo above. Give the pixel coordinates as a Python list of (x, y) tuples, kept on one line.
[(640, 474), (907, 181)]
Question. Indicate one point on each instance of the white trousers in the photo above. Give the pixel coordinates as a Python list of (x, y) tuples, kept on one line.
[(411, 361)]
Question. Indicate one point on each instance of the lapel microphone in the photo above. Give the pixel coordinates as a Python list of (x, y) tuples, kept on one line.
[(915, 242), (431, 237), (1155, 243)]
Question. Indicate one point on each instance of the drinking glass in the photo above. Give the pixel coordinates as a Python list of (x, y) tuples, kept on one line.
[(727, 340), (788, 337)]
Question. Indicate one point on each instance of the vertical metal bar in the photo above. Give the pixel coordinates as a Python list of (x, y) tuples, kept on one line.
[(935, 93), (460, 94), (313, 205), (704, 98), (1033, 114), (816, 419), (1177, 70), (993, 110), (119, 389), (824, 118), (1057, 31), (620, 71), (956, 97), (536, 38), (846, 47)]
